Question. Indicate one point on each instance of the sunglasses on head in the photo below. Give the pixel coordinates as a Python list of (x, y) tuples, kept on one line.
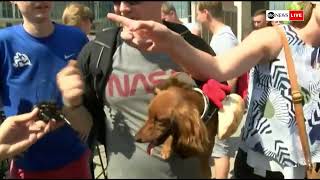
[(128, 2)]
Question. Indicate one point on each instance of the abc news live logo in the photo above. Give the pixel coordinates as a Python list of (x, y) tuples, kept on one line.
[(284, 15)]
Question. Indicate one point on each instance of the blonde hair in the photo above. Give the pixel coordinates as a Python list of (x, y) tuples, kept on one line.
[(167, 7), (214, 7), (74, 13), (307, 7)]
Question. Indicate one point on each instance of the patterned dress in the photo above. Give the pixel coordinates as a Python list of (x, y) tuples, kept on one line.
[(270, 128)]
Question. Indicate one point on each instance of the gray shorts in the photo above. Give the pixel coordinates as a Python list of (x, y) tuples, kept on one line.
[(225, 147)]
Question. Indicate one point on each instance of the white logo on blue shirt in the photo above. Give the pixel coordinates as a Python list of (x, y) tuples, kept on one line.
[(20, 60), (68, 56)]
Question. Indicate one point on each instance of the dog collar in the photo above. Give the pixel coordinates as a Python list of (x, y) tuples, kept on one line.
[(209, 110)]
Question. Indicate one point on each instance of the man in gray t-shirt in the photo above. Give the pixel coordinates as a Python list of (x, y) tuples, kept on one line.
[(126, 96), (210, 15)]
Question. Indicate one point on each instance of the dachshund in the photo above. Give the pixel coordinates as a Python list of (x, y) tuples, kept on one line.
[(174, 120)]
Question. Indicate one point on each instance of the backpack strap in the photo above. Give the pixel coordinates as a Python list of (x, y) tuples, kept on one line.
[(95, 63), (100, 65)]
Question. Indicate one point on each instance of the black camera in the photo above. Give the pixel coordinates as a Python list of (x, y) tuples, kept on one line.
[(49, 110)]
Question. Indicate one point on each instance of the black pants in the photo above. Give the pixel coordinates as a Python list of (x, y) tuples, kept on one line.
[(243, 171)]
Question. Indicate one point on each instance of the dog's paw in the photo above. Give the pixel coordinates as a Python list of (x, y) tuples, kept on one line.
[(166, 152)]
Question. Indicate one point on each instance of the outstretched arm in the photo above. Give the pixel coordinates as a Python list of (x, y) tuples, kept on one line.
[(263, 44)]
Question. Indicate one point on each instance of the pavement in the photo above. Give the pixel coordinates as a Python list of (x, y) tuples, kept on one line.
[(98, 170), (235, 139)]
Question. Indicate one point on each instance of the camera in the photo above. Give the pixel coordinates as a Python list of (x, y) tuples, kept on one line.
[(49, 110)]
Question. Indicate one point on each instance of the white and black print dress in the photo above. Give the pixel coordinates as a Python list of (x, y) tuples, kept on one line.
[(270, 128)]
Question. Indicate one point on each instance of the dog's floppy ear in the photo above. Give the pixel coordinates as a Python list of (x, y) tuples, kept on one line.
[(190, 133), (182, 80), (164, 84), (161, 85), (185, 79)]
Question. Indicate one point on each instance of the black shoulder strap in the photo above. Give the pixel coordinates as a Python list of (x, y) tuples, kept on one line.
[(101, 61), (95, 62)]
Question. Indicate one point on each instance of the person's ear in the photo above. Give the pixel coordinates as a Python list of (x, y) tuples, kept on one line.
[(171, 13), (206, 12)]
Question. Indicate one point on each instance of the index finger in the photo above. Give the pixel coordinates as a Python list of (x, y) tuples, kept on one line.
[(129, 23), (26, 117), (119, 19)]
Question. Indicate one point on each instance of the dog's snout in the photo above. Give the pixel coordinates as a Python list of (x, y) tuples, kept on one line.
[(137, 138)]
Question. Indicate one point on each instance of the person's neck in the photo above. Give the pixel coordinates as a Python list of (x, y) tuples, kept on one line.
[(39, 30), (310, 33), (178, 21), (215, 26)]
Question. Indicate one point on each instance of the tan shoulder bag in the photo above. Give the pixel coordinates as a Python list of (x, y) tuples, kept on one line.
[(311, 172)]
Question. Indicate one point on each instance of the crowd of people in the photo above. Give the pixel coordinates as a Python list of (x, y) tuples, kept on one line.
[(42, 60)]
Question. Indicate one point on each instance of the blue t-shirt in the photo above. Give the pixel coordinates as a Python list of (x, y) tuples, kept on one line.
[(28, 68)]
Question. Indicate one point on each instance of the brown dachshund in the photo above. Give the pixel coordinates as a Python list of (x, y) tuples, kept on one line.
[(174, 121)]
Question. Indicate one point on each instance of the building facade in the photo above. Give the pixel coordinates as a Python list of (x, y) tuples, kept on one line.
[(237, 13), (9, 13)]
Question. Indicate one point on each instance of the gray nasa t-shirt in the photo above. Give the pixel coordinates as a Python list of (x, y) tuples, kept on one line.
[(128, 92)]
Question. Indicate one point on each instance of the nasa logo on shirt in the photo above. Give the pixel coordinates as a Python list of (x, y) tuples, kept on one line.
[(21, 60)]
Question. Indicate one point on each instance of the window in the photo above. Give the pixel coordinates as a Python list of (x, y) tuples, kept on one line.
[(183, 9), (6, 9)]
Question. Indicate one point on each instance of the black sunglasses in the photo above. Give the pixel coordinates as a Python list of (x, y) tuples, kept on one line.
[(132, 3)]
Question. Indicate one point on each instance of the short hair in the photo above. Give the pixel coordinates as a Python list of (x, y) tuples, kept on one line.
[(262, 12), (74, 13), (259, 12), (167, 7), (214, 8)]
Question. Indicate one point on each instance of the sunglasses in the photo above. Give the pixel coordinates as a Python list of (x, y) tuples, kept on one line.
[(131, 3)]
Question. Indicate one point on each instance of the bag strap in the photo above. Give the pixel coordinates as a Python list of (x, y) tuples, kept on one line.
[(108, 42), (296, 98)]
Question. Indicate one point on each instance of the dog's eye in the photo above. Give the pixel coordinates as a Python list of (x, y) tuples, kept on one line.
[(156, 120), (162, 121)]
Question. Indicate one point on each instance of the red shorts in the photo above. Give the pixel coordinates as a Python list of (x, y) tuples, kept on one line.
[(78, 169)]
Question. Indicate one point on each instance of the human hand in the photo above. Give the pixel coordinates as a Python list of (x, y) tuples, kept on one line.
[(71, 85), (18, 133), (216, 91), (147, 36)]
